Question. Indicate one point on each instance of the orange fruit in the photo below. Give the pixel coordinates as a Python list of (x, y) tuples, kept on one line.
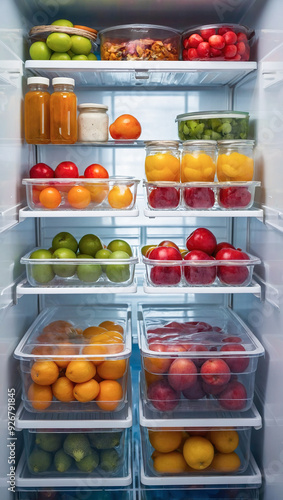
[(79, 197), (63, 389), (110, 395), (165, 441), (198, 452), (226, 462), (93, 330), (97, 377), (112, 370), (42, 350), (58, 326), (50, 197), (110, 341), (44, 372), (79, 371), (156, 365), (125, 127), (40, 396), (61, 350), (151, 377), (87, 391), (170, 463), (120, 197), (98, 192), (92, 350), (224, 441), (112, 326)]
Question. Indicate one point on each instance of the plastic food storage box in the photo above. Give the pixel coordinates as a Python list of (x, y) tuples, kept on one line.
[(62, 334), (133, 42), (213, 125), (84, 493), (96, 194), (200, 195), (230, 42), (80, 272), (196, 358), (185, 493), (199, 273)]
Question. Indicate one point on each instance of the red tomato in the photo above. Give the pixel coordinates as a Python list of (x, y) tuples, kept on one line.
[(67, 170), (125, 127), (40, 171), (96, 171)]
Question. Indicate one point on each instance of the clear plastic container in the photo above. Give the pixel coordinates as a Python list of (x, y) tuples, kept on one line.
[(37, 111), (95, 453), (235, 161), (80, 272), (93, 123), (194, 273), (83, 493), (56, 338), (179, 492), (196, 359), (133, 42), (230, 42), (115, 193), (213, 125), (162, 162), (198, 163), (63, 112)]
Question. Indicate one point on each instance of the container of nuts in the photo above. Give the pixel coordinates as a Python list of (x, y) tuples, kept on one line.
[(134, 42)]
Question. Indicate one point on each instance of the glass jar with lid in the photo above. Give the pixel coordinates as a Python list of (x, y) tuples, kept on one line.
[(162, 162), (198, 162), (235, 161), (63, 112), (93, 123), (37, 111)]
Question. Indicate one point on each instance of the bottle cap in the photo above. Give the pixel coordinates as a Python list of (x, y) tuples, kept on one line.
[(63, 81), (39, 80)]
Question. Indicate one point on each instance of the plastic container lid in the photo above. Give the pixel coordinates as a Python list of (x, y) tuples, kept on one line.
[(39, 80), (165, 144), (92, 105), (63, 81), (139, 28), (212, 114)]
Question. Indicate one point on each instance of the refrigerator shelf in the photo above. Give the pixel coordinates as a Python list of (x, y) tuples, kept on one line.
[(251, 212), (144, 73), (251, 476), (167, 290), (27, 213), (23, 288)]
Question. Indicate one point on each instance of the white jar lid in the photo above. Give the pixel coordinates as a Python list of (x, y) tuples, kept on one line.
[(39, 80), (92, 105), (63, 81)]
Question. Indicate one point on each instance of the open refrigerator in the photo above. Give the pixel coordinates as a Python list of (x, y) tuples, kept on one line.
[(154, 92)]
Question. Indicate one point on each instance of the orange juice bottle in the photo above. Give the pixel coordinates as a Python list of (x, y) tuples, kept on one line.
[(37, 111), (63, 112)]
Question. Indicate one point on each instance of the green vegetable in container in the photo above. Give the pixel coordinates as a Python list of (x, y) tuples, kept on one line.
[(62, 461), (77, 446), (48, 441), (39, 460), (105, 441), (89, 463), (109, 460)]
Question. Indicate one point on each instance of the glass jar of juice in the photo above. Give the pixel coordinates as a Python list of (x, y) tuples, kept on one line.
[(37, 111), (162, 162), (198, 162), (235, 161), (63, 112)]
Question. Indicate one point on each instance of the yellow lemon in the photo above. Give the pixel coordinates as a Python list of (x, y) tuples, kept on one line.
[(224, 441), (165, 441), (198, 452), (226, 462), (170, 463)]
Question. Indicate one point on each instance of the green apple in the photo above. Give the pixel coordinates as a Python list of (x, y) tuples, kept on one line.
[(63, 22), (89, 273), (60, 56), (40, 51), (104, 253), (65, 240), (118, 273), (59, 42), (42, 273), (64, 270), (71, 54), (81, 57), (116, 245), (80, 45), (89, 244), (92, 57)]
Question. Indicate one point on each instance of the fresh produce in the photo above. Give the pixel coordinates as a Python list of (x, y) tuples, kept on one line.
[(232, 275), (201, 239), (109, 460), (213, 126), (67, 169), (96, 171), (233, 397), (77, 446), (40, 51), (64, 240), (235, 167), (199, 275), (120, 197), (89, 463), (162, 396), (125, 127), (164, 197), (62, 461), (234, 197), (42, 273), (39, 461), (80, 45), (40, 171), (104, 440), (197, 167), (165, 275), (162, 166), (48, 441), (199, 197)]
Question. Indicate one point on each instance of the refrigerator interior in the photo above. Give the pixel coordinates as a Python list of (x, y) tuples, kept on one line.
[(155, 103)]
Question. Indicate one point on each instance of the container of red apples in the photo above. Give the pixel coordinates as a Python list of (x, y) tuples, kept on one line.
[(204, 262), (217, 42), (200, 195), (196, 359)]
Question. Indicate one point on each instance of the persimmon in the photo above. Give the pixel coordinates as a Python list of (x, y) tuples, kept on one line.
[(125, 127)]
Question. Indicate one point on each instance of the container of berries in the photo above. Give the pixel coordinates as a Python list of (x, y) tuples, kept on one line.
[(218, 42)]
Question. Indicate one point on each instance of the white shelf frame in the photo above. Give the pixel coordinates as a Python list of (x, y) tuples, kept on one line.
[(253, 288), (25, 213)]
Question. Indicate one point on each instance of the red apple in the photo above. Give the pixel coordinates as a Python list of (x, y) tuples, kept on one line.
[(164, 197), (215, 372), (182, 374), (232, 275), (222, 244), (234, 197), (234, 340), (195, 391), (165, 275), (234, 396), (212, 389), (41, 171), (202, 275), (96, 171), (174, 348), (198, 348), (199, 198), (201, 239), (162, 395), (67, 169), (236, 364), (168, 243)]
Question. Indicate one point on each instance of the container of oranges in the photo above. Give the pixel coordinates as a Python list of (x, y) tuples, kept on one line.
[(58, 194), (76, 359)]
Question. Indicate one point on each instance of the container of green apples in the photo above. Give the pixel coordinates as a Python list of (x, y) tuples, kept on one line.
[(84, 262), (62, 41)]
